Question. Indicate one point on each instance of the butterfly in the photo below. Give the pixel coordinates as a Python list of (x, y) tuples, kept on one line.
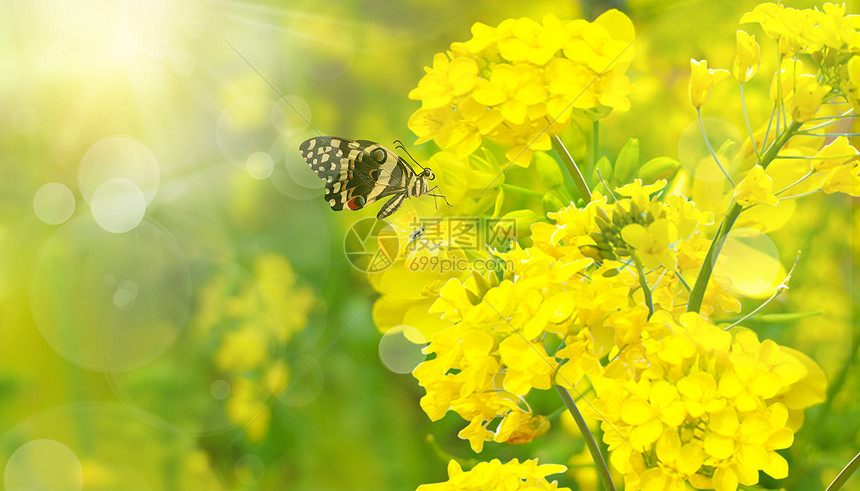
[(359, 172)]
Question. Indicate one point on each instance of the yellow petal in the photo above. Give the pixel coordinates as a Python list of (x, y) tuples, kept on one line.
[(702, 80)]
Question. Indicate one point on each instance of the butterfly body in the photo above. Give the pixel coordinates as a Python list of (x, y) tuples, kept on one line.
[(359, 172)]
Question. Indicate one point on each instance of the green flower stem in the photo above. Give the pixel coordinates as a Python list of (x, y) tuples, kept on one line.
[(801, 195), (522, 190), (710, 149), (644, 284), (843, 476), (595, 142), (776, 146), (795, 183), (698, 293), (572, 169), (827, 135), (845, 115), (833, 120), (767, 131), (747, 121), (781, 108), (602, 470)]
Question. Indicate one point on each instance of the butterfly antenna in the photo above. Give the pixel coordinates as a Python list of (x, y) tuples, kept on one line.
[(400, 145)]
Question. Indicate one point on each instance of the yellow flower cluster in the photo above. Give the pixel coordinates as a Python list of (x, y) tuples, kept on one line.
[(832, 40), (832, 168), (575, 284), (512, 476), (710, 408), (829, 35), (517, 84), (827, 31), (839, 166), (602, 291), (251, 322)]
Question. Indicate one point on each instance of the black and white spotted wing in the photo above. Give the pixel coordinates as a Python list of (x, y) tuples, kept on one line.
[(359, 172)]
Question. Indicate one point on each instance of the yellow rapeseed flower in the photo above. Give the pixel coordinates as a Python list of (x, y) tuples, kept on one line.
[(511, 476), (254, 320), (517, 83), (747, 57), (756, 188), (833, 155), (569, 285), (709, 408), (828, 35), (702, 80), (843, 179), (851, 82), (795, 29), (808, 96)]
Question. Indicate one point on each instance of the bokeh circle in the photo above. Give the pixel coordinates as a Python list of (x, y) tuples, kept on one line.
[(43, 465), (398, 350), (119, 157), (244, 128), (113, 445), (110, 302), (118, 205), (54, 203), (249, 469), (749, 263)]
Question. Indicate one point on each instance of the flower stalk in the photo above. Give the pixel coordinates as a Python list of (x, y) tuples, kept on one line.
[(644, 284), (843, 476), (710, 149), (747, 121), (602, 470), (698, 293)]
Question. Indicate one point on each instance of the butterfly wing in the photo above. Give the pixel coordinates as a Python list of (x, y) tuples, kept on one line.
[(356, 172)]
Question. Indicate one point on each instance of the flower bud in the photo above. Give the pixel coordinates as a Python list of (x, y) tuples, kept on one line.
[(627, 162), (551, 202), (702, 80), (548, 170), (747, 57), (658, 168)]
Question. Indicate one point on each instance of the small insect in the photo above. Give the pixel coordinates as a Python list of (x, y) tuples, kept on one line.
[(416, 234), (359, 172)]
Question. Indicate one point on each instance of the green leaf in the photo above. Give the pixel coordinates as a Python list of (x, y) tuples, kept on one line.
[(627, 162)]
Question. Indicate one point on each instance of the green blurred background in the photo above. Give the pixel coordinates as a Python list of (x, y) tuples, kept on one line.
[(167, 266)]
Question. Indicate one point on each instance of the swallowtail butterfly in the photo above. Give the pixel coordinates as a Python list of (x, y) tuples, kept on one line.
[(359, 172)]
